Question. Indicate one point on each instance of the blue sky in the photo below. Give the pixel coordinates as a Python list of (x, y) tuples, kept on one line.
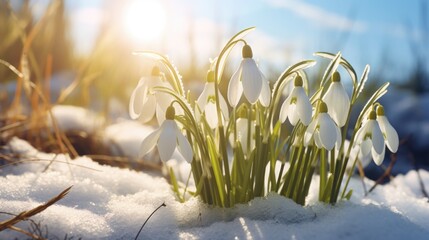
[(375, 32)]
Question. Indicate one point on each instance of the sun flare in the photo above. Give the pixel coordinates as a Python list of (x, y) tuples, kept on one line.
[(144, 20)]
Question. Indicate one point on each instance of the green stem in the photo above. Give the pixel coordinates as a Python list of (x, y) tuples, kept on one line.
[(323, 172)]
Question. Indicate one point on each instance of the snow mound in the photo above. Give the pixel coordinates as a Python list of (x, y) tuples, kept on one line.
[(111, 203), (76, 118)]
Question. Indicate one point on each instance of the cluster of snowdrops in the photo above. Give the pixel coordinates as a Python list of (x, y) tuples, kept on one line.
[(274, 139)]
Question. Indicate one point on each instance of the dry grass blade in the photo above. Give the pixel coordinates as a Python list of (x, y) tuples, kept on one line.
[(26, 214), (386, 173), (33, 236)]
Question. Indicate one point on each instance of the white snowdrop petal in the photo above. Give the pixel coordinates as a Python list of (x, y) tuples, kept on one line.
[(251, 79), (390, 134), (304, 107), (360, 134), (318, 140), (202, 99), (167, 140), (309, 132), (377, 137), (284, 110), (149, 142), (148, 110), (378, 157), (136, 101), (160, 114), (185, 147), (338, 103), (339, 138), (365, 160), (235, 88), (365, 147), (292, 114), (265, 96), (211, 114), (163, 100), (343, 103), (328, 134)]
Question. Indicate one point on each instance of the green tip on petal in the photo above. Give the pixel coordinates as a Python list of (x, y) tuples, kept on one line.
[(372, 115), (242, 111), (247, 51), (298, 81), (170, 113), (336, 77), (323, 108), (380, 110), (156, 71), (210, 76)]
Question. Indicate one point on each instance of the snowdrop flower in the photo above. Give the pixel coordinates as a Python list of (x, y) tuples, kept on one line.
[(297, 105), (144, 103), (250, 80), (389, 133), (167, 138), (337, 100), (323, 130), (242, 127), (207, 104), (370, 139)]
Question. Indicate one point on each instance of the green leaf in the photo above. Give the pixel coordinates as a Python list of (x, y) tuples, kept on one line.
[(217, 170), (332, 67), (174, 184), (377, 95), (362, 81), (343, 62), (349, 194), (328, 188)]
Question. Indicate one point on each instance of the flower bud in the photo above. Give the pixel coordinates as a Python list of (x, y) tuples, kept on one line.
[(372, 115), (298, 81), (156, 71), (247, 51), (336, 77), (380, 110), (323, 108), (170, 113), (210, 76)]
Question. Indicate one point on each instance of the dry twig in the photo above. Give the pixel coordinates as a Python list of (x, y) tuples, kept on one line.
[(27, 214)]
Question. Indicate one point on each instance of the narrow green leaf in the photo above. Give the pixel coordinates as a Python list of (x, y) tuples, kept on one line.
[(349, 194), (217, 170), (362, 81), (343, 62)]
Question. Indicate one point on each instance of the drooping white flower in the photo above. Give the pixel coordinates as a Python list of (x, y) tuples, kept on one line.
[(144, 103), (389, 133), (337, 100), (167, 138), (370, 139), (297, 105), (250, 80), (206, 103), (244, 130), (323, 130)]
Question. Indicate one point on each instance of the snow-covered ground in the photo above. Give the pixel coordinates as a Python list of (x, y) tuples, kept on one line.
[(110, 203)]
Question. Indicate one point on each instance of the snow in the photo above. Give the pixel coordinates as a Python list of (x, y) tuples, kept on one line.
[(106, 202)]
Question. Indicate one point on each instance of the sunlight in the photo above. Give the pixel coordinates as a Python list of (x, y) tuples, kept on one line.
[(144, 20)]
